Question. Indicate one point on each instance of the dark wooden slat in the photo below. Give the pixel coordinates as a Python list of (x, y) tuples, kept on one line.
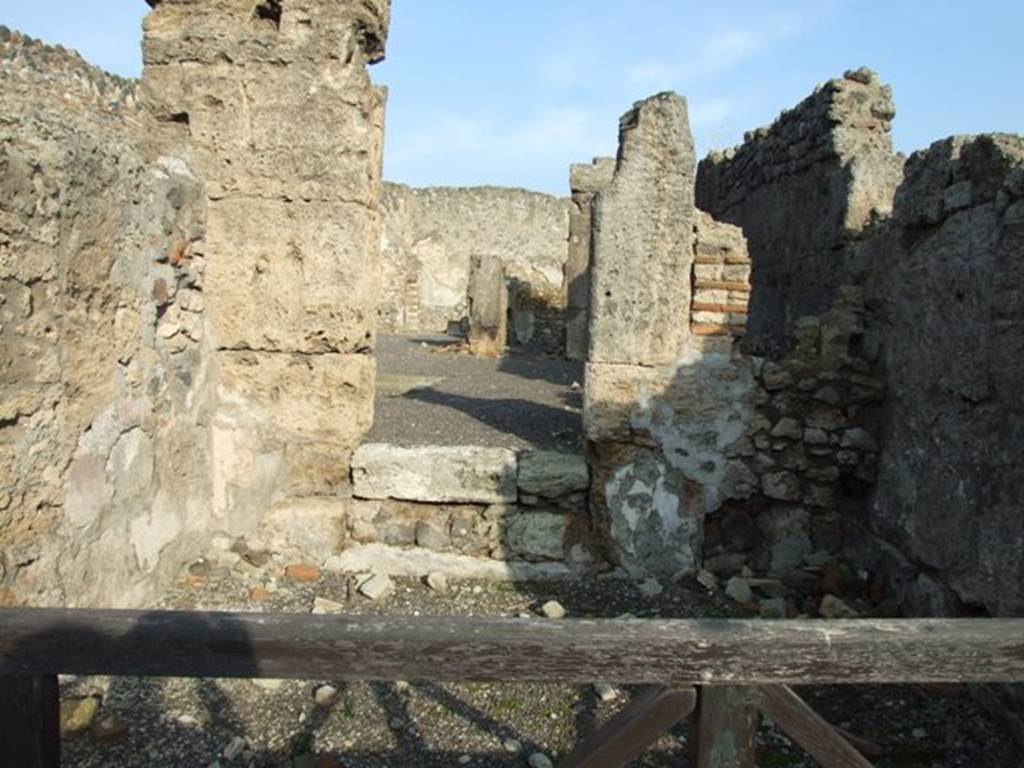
[(632, 730), (807, 728), (30, 721), (726, 727), (655, 652)]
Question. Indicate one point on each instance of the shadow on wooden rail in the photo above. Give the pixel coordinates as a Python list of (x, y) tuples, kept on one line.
[(725, 670)]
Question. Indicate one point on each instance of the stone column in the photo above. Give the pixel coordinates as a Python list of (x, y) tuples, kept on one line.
[(276, 110), (643, 240), (488, 307), (662, 408), (585, 181)]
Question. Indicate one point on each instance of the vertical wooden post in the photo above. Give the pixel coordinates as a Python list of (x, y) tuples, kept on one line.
[(726, 727), (30, 721)]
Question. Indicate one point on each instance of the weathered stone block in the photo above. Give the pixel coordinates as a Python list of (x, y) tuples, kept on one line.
[(433, 473), (488, 306), (552, 475), (536, 536), (311, 527), (643, 240)]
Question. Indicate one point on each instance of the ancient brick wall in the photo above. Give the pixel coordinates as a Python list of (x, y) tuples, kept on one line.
[(802, 190), (104, 391), (430, 236), (274, 107)]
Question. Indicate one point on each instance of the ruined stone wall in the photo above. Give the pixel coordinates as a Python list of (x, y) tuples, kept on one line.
[(585, 181), (103, 365), (663, 406), (702, 455), (430, 236), (947, 313), (273, 105), (803, 190)]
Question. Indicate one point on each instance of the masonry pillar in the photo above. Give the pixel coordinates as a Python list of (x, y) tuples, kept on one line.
[(488, 307), (273, 105), (585, 181)]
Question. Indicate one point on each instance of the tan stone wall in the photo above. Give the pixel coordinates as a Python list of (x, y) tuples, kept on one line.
[(281, 119), (104, 481), (430, 236), (188, 292)]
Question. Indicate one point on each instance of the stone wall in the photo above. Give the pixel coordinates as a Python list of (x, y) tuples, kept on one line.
[(947, 313), (188, 286), (702, 455), (277, 113), (804, 190), (430, 236), (663, 405), (585, 181), (104, 366)]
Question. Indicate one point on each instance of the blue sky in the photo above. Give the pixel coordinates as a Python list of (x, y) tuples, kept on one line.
[(511, 93)]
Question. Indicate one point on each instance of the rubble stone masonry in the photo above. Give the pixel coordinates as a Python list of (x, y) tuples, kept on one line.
[(802, 190)]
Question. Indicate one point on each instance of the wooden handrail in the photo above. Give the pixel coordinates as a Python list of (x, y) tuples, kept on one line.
[(674, 652)]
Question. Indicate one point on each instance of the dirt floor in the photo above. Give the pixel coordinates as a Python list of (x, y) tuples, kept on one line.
[(183, 723), (430, 392)]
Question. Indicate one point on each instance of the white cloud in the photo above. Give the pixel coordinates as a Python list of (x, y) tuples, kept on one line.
[(719, 52)]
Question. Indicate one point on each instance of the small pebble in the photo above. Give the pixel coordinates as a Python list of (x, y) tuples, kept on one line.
[(540, 760), (553, 609), (605, 692), (325, 696), (234, 748), (377, 587), (512, 746), (438, 582)]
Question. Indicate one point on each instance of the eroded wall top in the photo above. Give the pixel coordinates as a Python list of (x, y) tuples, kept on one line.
[(803, 189)]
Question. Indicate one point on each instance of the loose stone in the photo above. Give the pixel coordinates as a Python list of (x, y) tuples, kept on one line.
[(553, 609)]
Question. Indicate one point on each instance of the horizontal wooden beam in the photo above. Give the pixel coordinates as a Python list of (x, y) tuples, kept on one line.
[(665, 652)]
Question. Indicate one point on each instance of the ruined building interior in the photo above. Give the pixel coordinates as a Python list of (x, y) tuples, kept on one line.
[(238, 369)]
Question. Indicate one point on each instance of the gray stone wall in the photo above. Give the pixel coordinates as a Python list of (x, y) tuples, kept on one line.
[(803, 190), (430, 236), (489, 504), (948, 318)]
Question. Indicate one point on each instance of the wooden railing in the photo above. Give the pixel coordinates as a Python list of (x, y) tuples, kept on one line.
[(724, 670)]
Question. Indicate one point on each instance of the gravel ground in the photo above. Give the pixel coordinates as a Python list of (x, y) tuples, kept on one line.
[(185, 723), (430, 392)]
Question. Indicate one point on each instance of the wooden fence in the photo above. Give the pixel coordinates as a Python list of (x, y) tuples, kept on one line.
[(725, 671)]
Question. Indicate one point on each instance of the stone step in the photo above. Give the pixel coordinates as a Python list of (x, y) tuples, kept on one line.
[(465, 474), (418, 562)]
